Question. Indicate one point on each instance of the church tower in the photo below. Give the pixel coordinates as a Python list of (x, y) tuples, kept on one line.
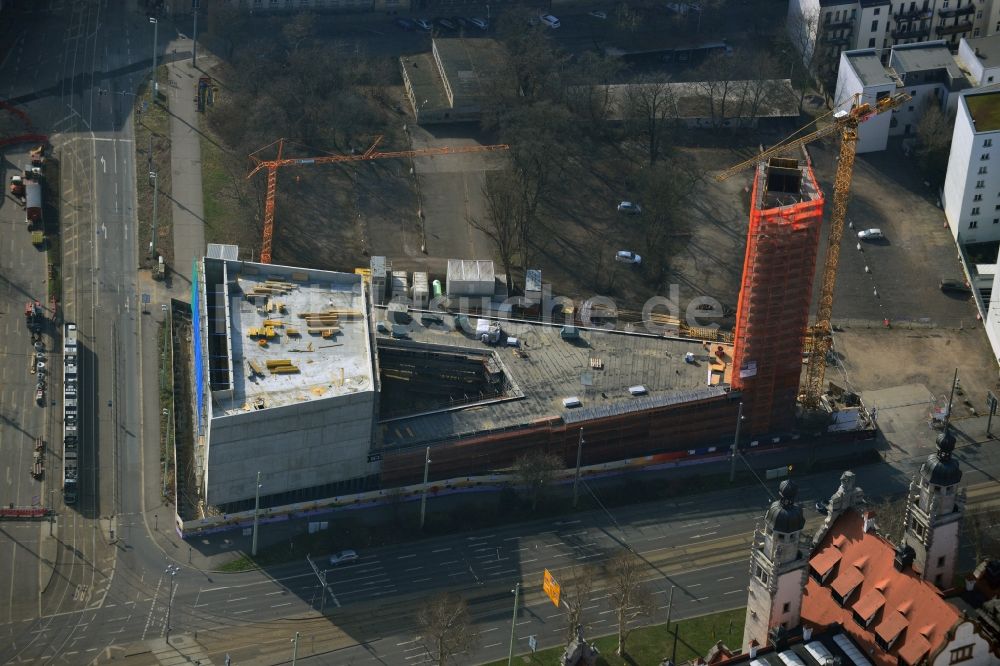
[(777, 570), (934, 510)]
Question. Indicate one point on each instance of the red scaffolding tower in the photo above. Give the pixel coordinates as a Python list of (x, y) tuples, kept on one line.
[(786, 213)]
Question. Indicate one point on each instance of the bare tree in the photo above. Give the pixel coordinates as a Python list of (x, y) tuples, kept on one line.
[(630, 599), (665, 189), (934, 132), (504, 218), (576, 595), (890, 516), (446, 628), (535, 471), (650, 103)]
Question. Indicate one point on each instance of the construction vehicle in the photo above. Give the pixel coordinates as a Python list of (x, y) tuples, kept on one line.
[(845, 122), (17, 186), (33, 315), (371, 154), (38, 156)]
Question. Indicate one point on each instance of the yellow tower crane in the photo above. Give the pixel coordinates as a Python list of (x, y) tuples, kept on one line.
[(846, 122)]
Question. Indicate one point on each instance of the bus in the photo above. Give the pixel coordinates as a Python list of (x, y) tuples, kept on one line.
[(71, 416)]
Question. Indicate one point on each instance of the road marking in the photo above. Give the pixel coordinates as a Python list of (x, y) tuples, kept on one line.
[(269, 594), (289, 603), (698, 536), (249, 610), (408, 642), (229, 601), (486, 631), (420, 580), (441, 550), (733, 592), (449, 562), (695, 585), (495, 644), (480, 538), (406, 557), (727, 578), (412, 569), (517, 538), (525, 622)]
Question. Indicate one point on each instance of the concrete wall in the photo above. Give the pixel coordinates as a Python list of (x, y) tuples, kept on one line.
[(294, 447)]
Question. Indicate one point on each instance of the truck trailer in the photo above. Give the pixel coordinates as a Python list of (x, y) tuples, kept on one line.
[(32, 202)]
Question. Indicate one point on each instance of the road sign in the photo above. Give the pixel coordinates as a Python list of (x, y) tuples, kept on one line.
[(532, 643), (551, 587), (145, 299), (991, 402)]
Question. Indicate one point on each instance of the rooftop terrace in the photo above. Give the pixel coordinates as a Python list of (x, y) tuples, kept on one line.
[(296, 336), (544, 369)]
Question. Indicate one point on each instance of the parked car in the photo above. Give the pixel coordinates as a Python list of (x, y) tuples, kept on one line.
[(549, 20), (629, 208), (823, 506), (446, 23), (343, 557), (480, 23), (423, 24), (626, 257), (955, 286), (405, 24), (598, 14), (871, 234)]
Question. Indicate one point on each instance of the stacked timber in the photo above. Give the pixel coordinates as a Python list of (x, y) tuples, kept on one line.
[(281, 366)]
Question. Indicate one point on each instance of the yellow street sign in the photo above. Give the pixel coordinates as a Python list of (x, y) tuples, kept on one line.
[(551, 587)]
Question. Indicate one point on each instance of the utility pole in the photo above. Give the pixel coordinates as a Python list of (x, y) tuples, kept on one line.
[(156, 30), (194, 42), (423, 493), (156, 196), (256, 514), (295, 648), (736, 445), (171, 571), (576, 480), (513, 623)]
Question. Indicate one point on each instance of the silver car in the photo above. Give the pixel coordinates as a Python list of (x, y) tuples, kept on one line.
[(343, 557)]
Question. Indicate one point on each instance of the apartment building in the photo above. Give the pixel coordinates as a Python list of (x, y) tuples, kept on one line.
[(823, 29), (971, 195)]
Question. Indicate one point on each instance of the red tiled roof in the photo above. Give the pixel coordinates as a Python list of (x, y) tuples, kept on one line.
[(925, 609), (869, 604), (825, 561), (848, 579)]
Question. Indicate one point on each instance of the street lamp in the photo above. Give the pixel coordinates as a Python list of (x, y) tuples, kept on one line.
[(513, 623), (295, 648), (171, 571), (256, 513), (156, 30), (156, 196), (423, 493)]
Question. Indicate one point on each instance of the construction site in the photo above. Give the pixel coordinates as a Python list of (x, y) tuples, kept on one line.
[(313, 386)]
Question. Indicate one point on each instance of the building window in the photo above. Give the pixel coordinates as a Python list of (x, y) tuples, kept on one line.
[(945, 4), (975, 211), (996, 220), (877, 10), (961, 654), (829, 17), (982, 170), (975, 33), (871, 43), (990, 79), (972, 225), (854, 12), (984, 157), (979, 15), (874, 26), (997, 207), (941, 561), (979, 184), (977, 197), (786, 607), (987, 143)]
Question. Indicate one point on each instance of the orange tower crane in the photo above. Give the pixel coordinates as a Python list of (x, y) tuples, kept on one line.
[(372, 153), (846, 122)]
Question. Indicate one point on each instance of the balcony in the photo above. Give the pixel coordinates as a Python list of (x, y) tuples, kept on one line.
[(838, 25), (836, 41), (914, 33), (964, 26), (957, 11), (914, 15)]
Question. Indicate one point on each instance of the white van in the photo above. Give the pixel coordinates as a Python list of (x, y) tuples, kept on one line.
[(550, 20)]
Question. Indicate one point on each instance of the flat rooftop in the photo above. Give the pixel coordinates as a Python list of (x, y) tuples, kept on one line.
[(545, 369), (869, 68), (469, 65), (319, 347), (985, 110), (925, 57), (428, 89), (987, 49)]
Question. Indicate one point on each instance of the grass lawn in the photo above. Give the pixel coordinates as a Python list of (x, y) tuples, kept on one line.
[(648, 646), (152, 129)]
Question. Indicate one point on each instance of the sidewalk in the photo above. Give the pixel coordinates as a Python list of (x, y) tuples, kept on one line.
[(187, 209)]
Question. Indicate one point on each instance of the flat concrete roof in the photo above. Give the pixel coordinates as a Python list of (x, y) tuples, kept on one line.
[(925, 57), (326, 367), (547, 369), (467, 64), (987, 49), (985, 110), (869, 68)]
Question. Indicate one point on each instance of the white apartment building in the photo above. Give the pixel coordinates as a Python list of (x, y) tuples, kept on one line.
[(971, 194), (927, 71), (980, 59), (823, 29)]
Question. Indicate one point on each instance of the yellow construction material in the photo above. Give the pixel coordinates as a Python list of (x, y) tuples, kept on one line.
[(277, 362), (276, 323), (254, 332), (269, 332), (255, 368), (292, 331), (284, 370)]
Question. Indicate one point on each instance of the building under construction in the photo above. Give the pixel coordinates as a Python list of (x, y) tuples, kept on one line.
[(786, 214)]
